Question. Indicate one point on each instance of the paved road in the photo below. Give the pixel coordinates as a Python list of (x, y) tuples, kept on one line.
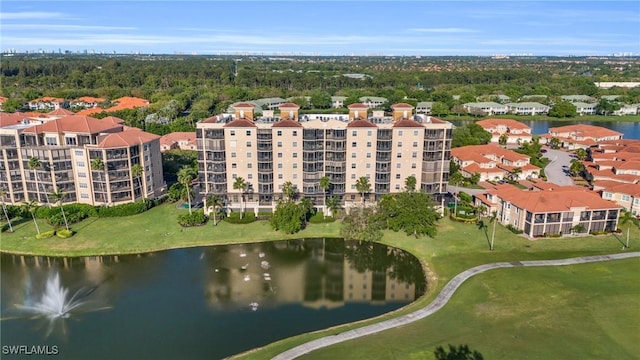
[(438, 303), (554, 171), (457, 189)]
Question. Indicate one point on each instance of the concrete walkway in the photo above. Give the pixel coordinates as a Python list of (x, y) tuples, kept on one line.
[(439, 302), (554, 170)]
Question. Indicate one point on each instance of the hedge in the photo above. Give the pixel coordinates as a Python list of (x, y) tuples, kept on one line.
[(513, 229), (318, 218), (234, 218)]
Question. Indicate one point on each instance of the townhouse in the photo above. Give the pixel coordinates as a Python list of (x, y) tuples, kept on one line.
[(269, 151), (516, 132), (580, 135), (493, 162), (62, 155), (527, 108), (179, 140), (487, 108), (551, 210), (48, 103), (626, 195)]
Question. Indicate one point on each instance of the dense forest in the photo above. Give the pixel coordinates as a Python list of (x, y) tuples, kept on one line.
[(189, 88)]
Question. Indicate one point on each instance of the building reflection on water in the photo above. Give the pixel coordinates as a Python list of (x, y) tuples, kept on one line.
[(317, 273)]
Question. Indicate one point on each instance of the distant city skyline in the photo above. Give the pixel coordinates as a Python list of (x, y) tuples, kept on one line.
[(425, 28)]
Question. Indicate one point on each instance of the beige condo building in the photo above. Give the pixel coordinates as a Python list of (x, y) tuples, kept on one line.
[(269, 151), (66, 148)]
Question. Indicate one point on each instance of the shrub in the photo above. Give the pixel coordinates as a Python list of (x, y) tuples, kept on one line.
[(137, 207), (5, 227), (46, 234), (63, 234), (234, 218), (513, 229), (196, 218), (318, 218), (265, 215)]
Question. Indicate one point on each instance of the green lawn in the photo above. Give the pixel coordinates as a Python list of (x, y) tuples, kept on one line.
[(506, 301)]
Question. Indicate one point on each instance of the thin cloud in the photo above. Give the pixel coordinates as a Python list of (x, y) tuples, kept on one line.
[(56, 27), (24, 15), (443, 30)]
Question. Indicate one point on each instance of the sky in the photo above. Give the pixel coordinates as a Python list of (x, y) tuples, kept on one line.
[(426, 28)]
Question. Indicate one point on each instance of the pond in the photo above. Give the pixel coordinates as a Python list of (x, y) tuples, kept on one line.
[(631, 130), (208, 302)]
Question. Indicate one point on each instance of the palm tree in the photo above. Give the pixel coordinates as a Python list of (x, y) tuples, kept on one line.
[(240, 185), (410, 183), (627, 219), (503, 139), (307, 205), (333, 203), (34, 164), (325, 184), (57, 198), (494, 220), (363, 186), (3, 193), (98, 165), (576, 167), (581, 154), (185, 177), (288, 190), (136, 171), (216, 202), (515, 173), (30, 207)]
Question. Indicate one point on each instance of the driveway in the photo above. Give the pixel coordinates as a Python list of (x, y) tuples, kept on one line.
[(554, 171)]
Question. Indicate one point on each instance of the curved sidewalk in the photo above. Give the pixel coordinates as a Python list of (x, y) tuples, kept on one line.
[(439, 302)]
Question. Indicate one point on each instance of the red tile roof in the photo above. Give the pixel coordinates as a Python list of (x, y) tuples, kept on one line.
[(61, 112), (286, 123), (358, 106), (244, 105), (407, 123), (288, 105), (75, 124), (240, 123), (582, 130), (211, 120), (361, 123), (128, 137), (510, 123), (90, 111), (8, 119), (402, 106), (174, 137), (559, 199), (89, 99)]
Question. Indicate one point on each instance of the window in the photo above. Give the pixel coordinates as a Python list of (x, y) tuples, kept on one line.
[(70, 141), (79, 153), (413, 165), (84, 196), (625, 197), (353, 176), (233, 176), (295, 165), (249, 155), (368, 132), (249, 165), (353, 187), (295, 155), (295, 144), (414, 154), (353, 155), (354, 144), (146, 147), (295, 133), (608, 195), (398, 176), (399, 143), (397, 186), (415, 132), (233, 143), (354, 133), (82, 175), (279, 143), (353, 165), (279, 155), (80, 163), (279, 165), (51, 141), (232, 133), (399, 155), (398, 166), (295, 176), (233, 154), (279, 132), (146, 158), (400, 132), (368, 143), (368, 166), (249, 176), (83, 186), (233, 166), (248, 143), (279, 176), (146, 168), (415, 144), (248, 133), (368, 155)]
